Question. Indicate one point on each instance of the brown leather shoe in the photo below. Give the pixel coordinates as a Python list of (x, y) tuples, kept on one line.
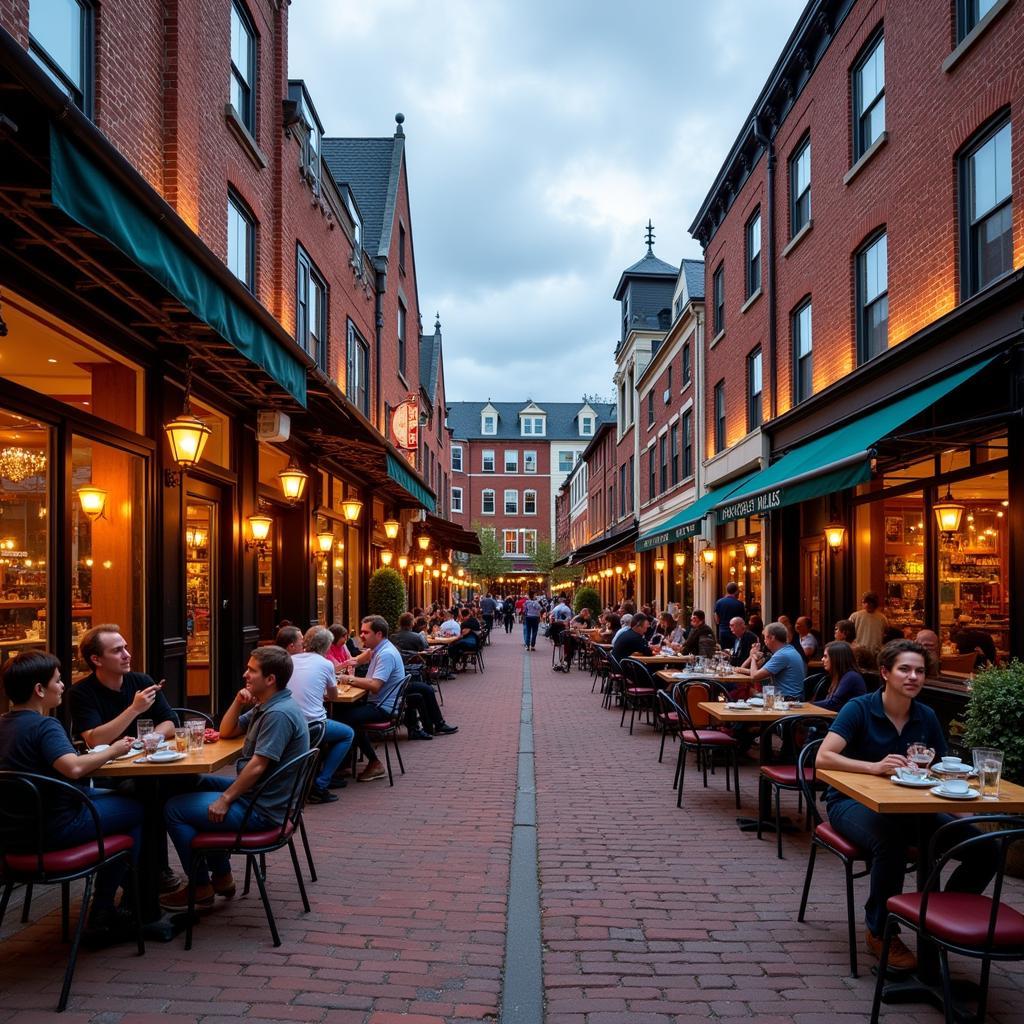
[(900, 957)]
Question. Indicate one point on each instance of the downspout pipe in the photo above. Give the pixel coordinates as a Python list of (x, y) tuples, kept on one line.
[(768, 141), (381, 284)]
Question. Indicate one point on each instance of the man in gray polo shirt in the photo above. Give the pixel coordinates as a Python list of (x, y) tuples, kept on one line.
[(275, 732)]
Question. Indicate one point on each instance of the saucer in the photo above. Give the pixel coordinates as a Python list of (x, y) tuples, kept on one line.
[(961, 769), (165, 756), (737, 705), (971, 794), (915, 783)]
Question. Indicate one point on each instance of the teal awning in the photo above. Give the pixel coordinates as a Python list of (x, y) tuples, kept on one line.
[(89, 196), (834, 461), (402, 477), (687, 523)]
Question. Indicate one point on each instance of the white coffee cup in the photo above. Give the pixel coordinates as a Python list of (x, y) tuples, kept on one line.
[(951, 762), (911, 773), (956, 786)]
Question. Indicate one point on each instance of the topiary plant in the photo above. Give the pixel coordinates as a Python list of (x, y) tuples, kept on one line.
[(587, 597), (995, 715), (386, 595)]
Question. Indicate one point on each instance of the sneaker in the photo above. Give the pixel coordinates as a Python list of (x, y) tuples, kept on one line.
[(419, 734), (321, 796), (223, 885), (177, 901), (337, 782), (374, 770), (900, 958), (444, 729), (169, 880)]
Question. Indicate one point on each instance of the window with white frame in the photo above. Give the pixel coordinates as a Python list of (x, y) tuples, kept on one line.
[(528, 542), (487, 502), (456, 458), (357, 381), (456, 499), (529, 462), (511, 461), (986, 188), (241, 241), (487, 461), (511, 503), (488, 424), (533, 425), (529, 503), (510, 541), (586, 426)]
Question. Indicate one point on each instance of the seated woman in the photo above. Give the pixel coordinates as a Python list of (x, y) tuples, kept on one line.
[(32, 740), (871, 735), (845, 682), (338, 652), (612, 624), (469, 637), (680, 627), (663, 629)]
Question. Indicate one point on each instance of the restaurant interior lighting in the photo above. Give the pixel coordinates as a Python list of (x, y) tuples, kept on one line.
[(680, 558), (386, 557), (428, 561), (461, 573), (351, 507), (659, 564), (948, 513), (391, 528), (93, 501), (618, 570), (750, 548), (835, 534), (324, 541), (435, 573), (419, 567), (339, 563), (293, 481), (403, 561), (444, 567), (424, 541)]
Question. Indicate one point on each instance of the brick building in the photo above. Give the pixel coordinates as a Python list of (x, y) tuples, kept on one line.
[(863, 249), (175, 247), (508, 461)]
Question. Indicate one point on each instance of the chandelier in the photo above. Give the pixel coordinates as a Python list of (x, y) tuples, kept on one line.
[(17, 464)]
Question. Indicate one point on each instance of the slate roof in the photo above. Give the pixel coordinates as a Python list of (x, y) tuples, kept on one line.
[(693, 271), (430, 360), (464, 419), (365, 166), (649, 266)]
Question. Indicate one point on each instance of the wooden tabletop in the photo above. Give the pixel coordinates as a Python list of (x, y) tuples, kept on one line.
[(663, 659), (720, 713), (881, 794), (347, 694), (700, 677), (211, 758)]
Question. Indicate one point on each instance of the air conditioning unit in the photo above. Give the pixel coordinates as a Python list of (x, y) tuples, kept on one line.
[(272, 425)]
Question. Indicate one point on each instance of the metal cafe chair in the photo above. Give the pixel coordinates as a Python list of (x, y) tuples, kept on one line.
[(637, 691), (389, 729)]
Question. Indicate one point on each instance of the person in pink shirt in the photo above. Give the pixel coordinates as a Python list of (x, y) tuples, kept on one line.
[(338, 652)]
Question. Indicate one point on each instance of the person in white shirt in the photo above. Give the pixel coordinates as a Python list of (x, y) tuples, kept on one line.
[(808, 641), (313, 678), (450, 627)]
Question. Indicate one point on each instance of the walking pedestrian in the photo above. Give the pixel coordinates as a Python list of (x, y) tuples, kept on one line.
[(531, 621)]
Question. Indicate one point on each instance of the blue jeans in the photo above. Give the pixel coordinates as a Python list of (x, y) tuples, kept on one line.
[(531, 623), (887, 837), (337, 743), (186, 817), (119, 815)]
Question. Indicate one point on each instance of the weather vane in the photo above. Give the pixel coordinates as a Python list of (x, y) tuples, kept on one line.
[(650, 238)]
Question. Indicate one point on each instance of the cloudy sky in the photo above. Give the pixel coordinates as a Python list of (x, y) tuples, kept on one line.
[(542, 134)]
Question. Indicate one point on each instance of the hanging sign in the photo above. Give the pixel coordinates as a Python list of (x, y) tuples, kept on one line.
[(405, 424)]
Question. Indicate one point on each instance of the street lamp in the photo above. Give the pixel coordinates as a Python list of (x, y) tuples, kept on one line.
[(324, 541), (750, 549), (659, 564), (835, 534), (403, 561), (631, 566), (948, 513), (680, 557), (708, 554), (351, 507), (259, 528), (386, 556), (391, 528), (293, 481), (424, 541)]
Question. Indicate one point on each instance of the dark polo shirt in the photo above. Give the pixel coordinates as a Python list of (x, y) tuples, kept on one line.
[(93, 704)]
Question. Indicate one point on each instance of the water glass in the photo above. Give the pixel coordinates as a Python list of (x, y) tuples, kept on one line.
[(151, 741), (768, 695), (142, 726), (989, 766), (196, 734), (920, 754)]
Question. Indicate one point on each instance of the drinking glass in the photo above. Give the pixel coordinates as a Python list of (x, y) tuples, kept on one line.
[(151, 741), (768, 695), (142, 726), (196, 734), (989, 766), (181, 741), (920, 755)]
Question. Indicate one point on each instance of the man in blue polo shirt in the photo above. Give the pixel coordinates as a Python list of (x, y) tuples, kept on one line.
[(785, 667), (383, 681)]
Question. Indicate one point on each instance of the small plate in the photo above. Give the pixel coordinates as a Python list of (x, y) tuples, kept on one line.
[(756, 702), (737, 705), (165, 756), (971, 794), (961, 769), (915, 783)]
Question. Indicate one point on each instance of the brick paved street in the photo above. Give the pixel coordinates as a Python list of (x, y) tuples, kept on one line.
[(650, 914)]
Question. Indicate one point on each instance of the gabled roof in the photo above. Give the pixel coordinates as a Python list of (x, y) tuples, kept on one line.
[(464, 420), (693, 275), (430, 360), (372, 169)]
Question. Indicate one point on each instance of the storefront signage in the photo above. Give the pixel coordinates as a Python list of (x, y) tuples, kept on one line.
[(756, 504), (668, 536), (405, 425)]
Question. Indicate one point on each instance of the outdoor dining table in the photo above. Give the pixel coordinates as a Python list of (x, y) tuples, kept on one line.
[(664, 659), (347, 694), (883, 796), (436, 641), (211, 758)]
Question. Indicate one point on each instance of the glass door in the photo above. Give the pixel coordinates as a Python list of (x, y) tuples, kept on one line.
[(812, 584), (202, 601)]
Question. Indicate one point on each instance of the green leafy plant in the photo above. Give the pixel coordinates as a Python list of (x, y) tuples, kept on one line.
[(995, 715), (386, 595), (491, 563), (587, 597)]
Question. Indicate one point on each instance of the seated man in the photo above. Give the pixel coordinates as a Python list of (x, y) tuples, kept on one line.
[(632, 640), (450, 626), (743, 641), (699, 630), (33, 740), (469, 639), (871, 735), (806, 639), (785, 667), (275, 732), (406, 638), (383, 680), (313, 679)]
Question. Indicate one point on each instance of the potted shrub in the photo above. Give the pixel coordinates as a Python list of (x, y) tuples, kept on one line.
[(587, 597), (386, 595)]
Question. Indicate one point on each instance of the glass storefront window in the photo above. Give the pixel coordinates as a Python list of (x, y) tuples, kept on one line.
[(24, 534), (47, 355), (974, 568), (740, 558), (107, 544), (899, 562)]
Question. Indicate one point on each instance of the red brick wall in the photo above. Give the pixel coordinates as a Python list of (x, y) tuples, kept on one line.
[(909, 186)]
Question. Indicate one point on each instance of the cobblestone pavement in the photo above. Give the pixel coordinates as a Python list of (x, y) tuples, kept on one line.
[(650, 914)]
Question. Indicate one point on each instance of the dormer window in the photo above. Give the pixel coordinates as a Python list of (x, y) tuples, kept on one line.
[(311, 132), (533, 425), (488, 424), (586, 426)]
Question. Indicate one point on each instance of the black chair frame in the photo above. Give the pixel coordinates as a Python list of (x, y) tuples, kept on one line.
[(30, 788), (185, 713), (395, 720), (302, 767), (635, 677)]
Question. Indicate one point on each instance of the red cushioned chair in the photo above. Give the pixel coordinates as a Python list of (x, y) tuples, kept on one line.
[(976, 926), (253, 844), (388, 730), (696, 733), (792, 735), (25, 859), (636, 691)]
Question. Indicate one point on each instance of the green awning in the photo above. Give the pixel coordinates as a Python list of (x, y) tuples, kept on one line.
[(687, 523), (834, 461), (402, 477), (89, 196)]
